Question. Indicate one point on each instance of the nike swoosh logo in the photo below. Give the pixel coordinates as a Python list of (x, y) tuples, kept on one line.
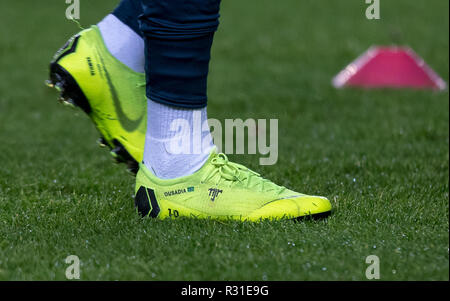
[(128, 124)]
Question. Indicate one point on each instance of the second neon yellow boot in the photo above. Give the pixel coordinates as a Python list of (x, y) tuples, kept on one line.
[(222, 190)]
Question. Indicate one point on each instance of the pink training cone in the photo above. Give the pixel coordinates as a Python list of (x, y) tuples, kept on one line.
[(393, 67)]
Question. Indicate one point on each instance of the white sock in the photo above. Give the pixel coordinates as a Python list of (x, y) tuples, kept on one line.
[(123, 42), (178, 141)]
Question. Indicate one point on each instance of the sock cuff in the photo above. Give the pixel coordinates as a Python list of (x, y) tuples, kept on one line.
[(128, 12), (123, 43)]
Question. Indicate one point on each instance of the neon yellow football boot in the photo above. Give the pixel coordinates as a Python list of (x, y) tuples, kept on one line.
[(222, 190), (110, 93)]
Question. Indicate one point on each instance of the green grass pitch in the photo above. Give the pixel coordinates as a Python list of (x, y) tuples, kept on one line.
[(381, 157)]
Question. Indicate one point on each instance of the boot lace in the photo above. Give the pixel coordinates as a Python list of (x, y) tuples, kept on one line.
[(234, 173)]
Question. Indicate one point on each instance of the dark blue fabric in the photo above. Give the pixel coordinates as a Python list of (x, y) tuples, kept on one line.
[(128, 12), (178, 37)]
